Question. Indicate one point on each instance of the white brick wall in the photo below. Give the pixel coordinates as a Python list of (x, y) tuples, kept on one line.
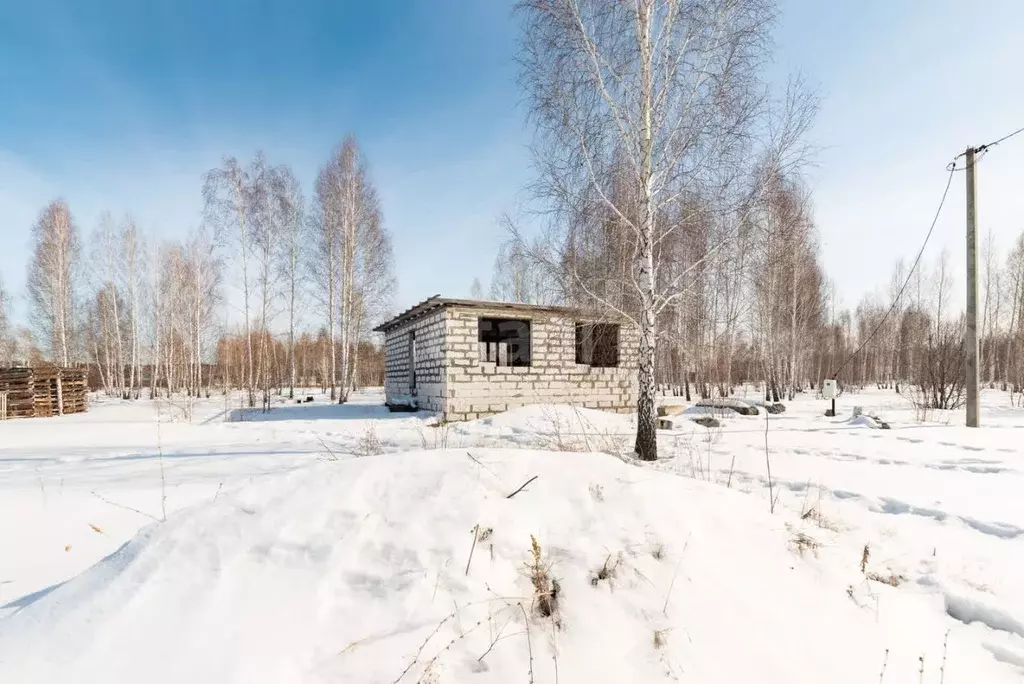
[(452, 380), (474, 388), (430, 380)]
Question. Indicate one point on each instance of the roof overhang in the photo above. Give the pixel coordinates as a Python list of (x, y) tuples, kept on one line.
[(437, 303)]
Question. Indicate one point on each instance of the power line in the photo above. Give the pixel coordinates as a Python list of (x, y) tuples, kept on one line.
[(979, 154), (952, 168), (949, 181), (986, 146), (1005, 137)]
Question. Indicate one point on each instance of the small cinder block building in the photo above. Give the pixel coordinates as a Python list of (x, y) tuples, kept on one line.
[(466, 358)]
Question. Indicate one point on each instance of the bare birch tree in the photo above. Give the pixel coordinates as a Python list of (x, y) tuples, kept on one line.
[(7, 338), (294, 231), (509, 278), (106, 277), (324, 265), (522, 271), (133, 257), (348, 187), (265, 227), (989, 308), (228, 201), (52, 279), (202, 272), (941, 373), (1015, 331), (638, 107), (374, 280), (158, 308), (348, 225)]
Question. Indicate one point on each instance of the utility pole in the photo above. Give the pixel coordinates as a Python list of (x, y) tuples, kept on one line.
[(972, 295)]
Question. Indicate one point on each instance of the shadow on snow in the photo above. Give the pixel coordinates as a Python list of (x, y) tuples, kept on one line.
[(318, 411)]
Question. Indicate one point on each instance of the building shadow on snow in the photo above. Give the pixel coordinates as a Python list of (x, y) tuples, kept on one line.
[(316, 411)]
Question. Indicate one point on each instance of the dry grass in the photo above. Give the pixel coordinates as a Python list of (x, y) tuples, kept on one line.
[(555, 435), (369, 444), (435, 437), (814, 514), (330, 455), (546, 590), (429, 676), (658, 551), (597, 492), (431, 665), (814, 511), (660, 638), (802, 543), (560, 433), (607, 571), (892, 579), (614, 443)]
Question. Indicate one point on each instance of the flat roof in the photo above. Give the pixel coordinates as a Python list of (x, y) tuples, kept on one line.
[(438, 302)]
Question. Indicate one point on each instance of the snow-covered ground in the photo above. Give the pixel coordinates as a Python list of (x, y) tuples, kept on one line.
[(326, 543)]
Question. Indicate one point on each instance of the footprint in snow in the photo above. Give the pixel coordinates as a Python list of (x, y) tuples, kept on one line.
[(995, 529)]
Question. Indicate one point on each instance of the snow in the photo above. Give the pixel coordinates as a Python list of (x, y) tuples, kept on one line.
[(863, 421), (727, 402), (136, 545)]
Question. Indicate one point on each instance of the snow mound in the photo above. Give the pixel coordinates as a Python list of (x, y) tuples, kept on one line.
[(739, 406), (863, 421), (549, 417), (358, 570), (726, 401), (556, 427), (706, 411)]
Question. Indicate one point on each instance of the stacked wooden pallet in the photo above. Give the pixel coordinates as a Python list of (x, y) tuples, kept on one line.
[(74, 390), (44, 392), (19, 385)]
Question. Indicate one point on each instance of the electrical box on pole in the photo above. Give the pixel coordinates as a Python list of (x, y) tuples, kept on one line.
[(829, 390)]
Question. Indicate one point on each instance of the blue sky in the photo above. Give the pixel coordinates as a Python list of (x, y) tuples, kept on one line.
[(122, 105)]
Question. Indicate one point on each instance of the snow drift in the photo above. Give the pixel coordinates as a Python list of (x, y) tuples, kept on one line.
[(356, 571)]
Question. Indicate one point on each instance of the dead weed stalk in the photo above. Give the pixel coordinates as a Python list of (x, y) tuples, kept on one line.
[(802, 543), (369, 444), (546, 590), (607, 571), (892, 579)]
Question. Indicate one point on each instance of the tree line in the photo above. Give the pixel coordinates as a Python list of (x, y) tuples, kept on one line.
[(755, 305), (270, 292)]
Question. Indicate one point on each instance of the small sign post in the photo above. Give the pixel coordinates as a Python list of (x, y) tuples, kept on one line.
[(829, 390)]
